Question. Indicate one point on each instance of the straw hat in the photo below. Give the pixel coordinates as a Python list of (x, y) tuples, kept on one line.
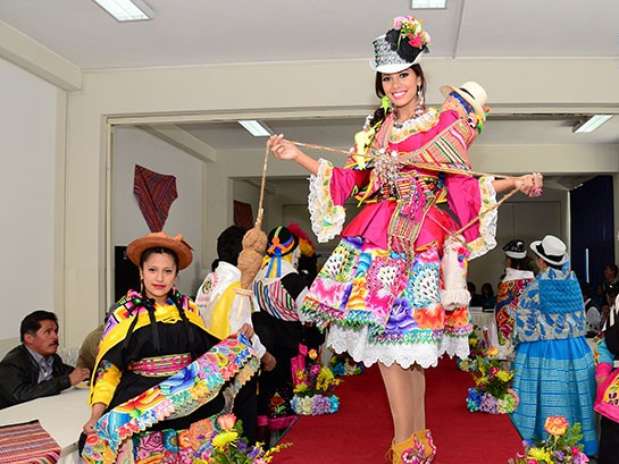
[(473, 93), (160, 239)]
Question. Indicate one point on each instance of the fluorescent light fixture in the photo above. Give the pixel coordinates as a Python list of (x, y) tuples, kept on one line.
[(127, 10), (592, 123), (255, 128), (428, 4)]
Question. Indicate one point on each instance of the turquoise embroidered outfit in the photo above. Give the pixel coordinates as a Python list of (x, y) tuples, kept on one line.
[(554, 367)]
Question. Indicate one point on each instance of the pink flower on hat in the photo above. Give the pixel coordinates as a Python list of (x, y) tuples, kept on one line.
[(416, 41), (398, 20)]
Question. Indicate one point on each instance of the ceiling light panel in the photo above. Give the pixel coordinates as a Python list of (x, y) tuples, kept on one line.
[(592, 123), (126, 10), (428, 4), (255, 128)]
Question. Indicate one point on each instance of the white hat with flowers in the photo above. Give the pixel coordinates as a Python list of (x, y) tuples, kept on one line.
[(401, 46)]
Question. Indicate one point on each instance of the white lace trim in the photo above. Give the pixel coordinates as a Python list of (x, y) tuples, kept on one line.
[(327, 218), (355, 343), (517, 274), (487, 222)]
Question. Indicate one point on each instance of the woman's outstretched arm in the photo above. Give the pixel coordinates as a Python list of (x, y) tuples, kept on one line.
[(530, 184), (285, 150)]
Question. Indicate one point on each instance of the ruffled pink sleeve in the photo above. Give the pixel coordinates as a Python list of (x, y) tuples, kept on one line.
[(469, 197), (329, 190)]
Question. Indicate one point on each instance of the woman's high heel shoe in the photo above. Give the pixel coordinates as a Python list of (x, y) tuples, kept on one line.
[(419, 448)]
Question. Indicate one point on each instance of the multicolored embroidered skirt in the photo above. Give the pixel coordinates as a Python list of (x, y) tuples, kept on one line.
[(170, 446), (385, 307), (124, 429)]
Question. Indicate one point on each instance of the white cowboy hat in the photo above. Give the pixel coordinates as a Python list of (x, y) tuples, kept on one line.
[(473, 93), (551, 249)]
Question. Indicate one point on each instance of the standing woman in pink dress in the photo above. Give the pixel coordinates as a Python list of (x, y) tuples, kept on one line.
[(387, 292)]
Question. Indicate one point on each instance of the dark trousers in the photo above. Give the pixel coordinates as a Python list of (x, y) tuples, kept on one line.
[(609, 442), (281, 339), (245, 408)]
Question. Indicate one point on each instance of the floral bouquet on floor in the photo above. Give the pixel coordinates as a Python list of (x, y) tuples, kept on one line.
[(343, 365), (229, 447), (313, 385), (281, 415), (477, 347), (492, 392), (562, 446)]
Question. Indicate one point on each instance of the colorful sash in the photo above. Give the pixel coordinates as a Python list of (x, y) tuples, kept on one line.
[(178, 396)]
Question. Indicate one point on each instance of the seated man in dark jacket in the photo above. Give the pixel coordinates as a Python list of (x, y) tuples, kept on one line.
[(33, 369)]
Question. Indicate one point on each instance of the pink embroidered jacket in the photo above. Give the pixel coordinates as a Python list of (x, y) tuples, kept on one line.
[(465, 195)]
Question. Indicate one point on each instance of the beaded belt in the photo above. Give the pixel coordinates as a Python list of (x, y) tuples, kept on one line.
[(404, 187), (160, 366)]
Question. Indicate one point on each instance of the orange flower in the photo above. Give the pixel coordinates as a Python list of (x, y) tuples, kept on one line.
[(430, 318), (312, 354), (556, 425), (457, 318), (492, 352)]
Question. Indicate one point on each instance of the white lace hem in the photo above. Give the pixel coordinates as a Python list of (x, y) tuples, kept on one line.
[(487, 221), (326, 217), (355, 343)]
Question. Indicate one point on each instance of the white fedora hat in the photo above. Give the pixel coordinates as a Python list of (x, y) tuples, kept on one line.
[(551, 249), (473, 93)]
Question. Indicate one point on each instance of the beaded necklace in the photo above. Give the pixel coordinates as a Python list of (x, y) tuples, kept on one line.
[(401, 131)]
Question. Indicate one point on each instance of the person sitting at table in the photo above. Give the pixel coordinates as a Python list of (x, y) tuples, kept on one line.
[(476, 299), (488, 300), (149, 337), (89, 349), (33, 369)]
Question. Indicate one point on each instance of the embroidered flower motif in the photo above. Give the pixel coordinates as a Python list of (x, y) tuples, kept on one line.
[(401, 317), (430, 318)]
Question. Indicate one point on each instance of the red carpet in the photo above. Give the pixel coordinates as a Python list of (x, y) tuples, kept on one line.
[(361, 431)]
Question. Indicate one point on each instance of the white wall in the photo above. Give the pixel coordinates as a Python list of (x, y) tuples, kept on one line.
[(250, 193), (526, 219), (31, 117), (134, 146)]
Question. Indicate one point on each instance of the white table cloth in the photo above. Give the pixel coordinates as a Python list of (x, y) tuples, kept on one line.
[(487, 321)]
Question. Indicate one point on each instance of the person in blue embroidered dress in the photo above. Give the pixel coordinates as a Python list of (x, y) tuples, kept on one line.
[(554, 368)]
